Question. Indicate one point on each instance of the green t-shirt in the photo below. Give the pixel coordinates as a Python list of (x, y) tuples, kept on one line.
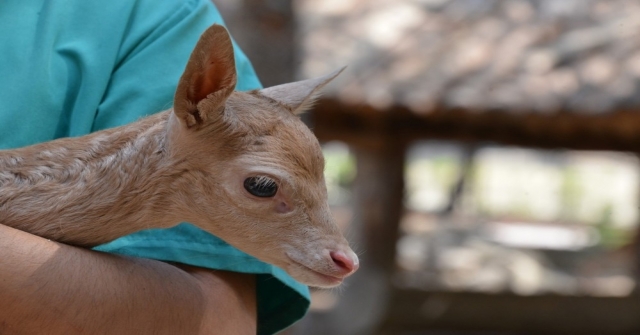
[(70, 67)]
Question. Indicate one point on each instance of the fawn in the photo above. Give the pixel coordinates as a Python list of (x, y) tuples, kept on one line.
[(240, 165)]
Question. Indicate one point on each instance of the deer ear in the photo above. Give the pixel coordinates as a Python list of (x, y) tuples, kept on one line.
[(208, 79), (300, 95)]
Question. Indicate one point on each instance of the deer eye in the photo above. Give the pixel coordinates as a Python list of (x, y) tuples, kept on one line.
[(261, 186)]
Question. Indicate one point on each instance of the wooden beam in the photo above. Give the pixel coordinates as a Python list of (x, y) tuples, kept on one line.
[(543, 315), (619, 131), (378, 199)]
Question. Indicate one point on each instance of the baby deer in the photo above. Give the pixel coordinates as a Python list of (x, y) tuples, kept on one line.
[(240, 165)]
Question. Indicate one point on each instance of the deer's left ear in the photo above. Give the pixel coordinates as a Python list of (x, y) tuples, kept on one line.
[(208, 80), (299, 96)]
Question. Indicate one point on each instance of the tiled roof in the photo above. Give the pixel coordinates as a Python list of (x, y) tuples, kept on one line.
[(541, 56)]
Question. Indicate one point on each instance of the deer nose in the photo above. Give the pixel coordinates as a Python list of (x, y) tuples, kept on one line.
[(346, 263)]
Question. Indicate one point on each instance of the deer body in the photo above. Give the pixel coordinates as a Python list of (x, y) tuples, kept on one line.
[(240, 165), (91, 190)]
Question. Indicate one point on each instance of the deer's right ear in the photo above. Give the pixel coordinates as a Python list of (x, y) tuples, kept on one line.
[(300, 95), (208, 79)]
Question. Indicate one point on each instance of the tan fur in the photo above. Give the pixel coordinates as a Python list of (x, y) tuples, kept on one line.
[(189, 164)]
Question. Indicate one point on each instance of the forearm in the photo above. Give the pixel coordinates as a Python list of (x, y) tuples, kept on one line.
[(49, 286)]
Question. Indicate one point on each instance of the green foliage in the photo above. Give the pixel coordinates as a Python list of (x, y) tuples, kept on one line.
[(340, 167), (611, 237)]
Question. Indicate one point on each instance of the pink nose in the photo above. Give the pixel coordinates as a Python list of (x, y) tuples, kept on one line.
[(345, 263)]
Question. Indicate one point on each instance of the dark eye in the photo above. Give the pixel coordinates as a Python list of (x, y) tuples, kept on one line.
[(261, 186)]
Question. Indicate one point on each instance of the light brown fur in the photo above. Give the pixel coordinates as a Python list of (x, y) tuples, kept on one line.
[(189, 164)]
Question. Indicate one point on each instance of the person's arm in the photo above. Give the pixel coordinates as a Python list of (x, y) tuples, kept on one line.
[(47, 287)]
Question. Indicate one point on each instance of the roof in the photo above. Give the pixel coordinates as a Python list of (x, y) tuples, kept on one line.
[(540, 56)]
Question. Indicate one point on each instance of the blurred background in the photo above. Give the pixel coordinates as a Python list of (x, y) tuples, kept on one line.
[(481, 157)]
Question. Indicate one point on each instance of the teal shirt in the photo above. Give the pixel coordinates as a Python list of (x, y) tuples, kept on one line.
[(70, 67)]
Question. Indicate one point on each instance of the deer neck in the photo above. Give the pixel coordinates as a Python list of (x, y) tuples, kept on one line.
[(90, 190)]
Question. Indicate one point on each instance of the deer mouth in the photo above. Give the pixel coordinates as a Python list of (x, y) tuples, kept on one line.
[(325, 279)]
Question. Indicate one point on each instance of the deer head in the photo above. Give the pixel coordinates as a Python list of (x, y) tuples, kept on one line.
[(255, 175)]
